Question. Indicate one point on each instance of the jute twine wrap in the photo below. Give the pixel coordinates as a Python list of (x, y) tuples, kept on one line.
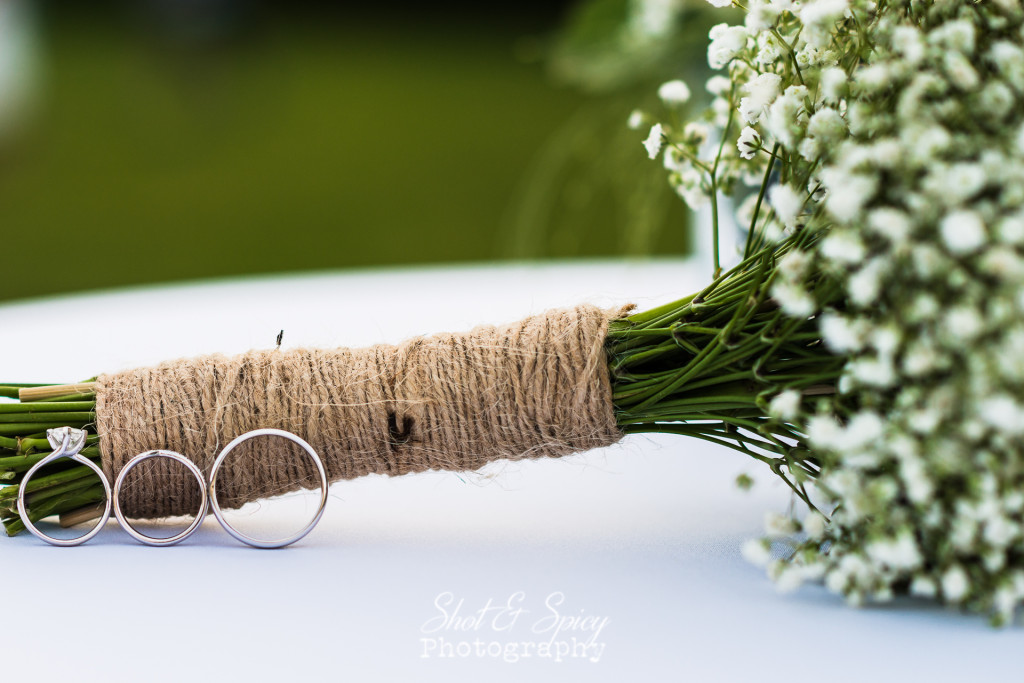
[(539, 387)]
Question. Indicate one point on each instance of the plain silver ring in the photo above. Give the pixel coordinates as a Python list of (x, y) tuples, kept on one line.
[(255, 542), (151, 540), (66, 450)]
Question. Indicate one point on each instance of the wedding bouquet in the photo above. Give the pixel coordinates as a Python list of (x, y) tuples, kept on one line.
[(885, 144), (868, 347)]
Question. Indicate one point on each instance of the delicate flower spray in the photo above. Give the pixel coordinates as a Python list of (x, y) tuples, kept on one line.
[(883, 147)]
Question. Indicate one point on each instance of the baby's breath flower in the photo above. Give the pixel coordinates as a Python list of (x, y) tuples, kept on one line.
[(769, 50), (873, 372), (908, 42), (1011, 229), (874, 79), (890, 223), (695, 134), (923, 586), (749, 143), (757, 552), (827, 125), (963, 323), (793, 299), (954, 184), (718, 85), (789, 579), (848, 193), (841, 334), (690, 188), (761, 15), (819, 17), (833, 84), (785, 405), (814, 525), (786, 203), (887, 140), (955, 584), (900, 553), (957, 35), (654, 141), (996, 101), (844, 246), (960, 71), (786, 119), (1002, 412), (809, 149), (1009, 60), (962, 231), (674, 160), (779, 526), (761, 92), (794, 264), (726, 43), (865, 285), (674, 93)]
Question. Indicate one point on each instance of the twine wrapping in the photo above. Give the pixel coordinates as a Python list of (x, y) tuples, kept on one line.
[(539, 387)]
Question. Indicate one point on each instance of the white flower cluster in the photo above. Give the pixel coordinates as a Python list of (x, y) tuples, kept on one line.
[(891, 137)]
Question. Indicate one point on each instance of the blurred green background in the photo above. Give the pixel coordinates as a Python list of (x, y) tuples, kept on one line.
[(160, 141)]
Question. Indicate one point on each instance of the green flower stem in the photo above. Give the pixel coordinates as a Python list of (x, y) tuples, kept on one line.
[(51, 492), (24, 462), (32, 445), (65, 418), (43, 481), (753, 234), (10, 390), (667, 311), (19, 428), (57, 506), (10, 506), (89, 396), (47, 407)]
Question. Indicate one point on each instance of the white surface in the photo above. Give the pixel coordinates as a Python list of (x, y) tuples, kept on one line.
[(645, 534)]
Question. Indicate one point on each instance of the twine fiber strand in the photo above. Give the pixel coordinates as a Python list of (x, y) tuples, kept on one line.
[(535, 388)]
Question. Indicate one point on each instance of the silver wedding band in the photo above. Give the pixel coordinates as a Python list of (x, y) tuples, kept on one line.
[(255, 542), (66, 442), (152, 540)]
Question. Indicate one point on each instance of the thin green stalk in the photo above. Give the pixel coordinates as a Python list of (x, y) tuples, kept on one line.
[(10, 389), (64, 418), (33, 500), (45, 480), (47, 407), (24, 462), (760, 199), (32, 428), (71, 398), (29, 445), (57, 506)]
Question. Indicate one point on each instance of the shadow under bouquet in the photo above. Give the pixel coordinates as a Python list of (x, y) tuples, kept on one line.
[(868, 347)]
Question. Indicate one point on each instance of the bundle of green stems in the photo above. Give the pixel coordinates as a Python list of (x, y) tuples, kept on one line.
[(705, 366), (60, 488)]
